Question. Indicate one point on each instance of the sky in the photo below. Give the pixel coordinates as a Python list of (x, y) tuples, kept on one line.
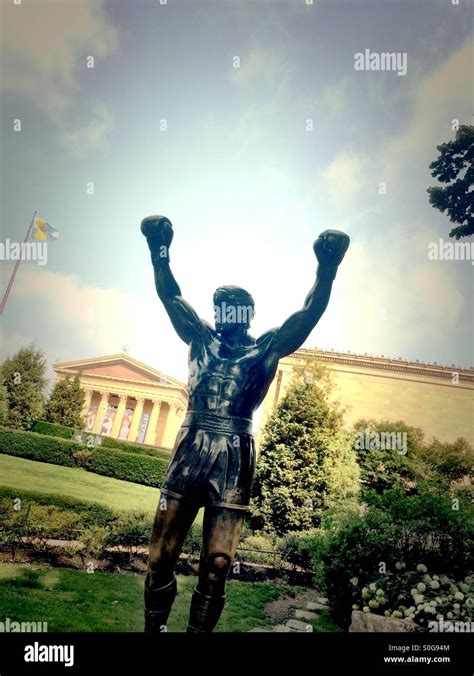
[(247, 125)]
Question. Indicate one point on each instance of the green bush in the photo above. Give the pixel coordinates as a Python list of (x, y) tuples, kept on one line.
[(130, 530), (38, 447), (129, 447), (52, 429), (299, 548), (264, 545), (416, 595), (395, 527), (91, 514), (193, 541), (140, 469)]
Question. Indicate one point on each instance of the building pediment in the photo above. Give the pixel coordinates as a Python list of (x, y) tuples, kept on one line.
[(121, 367)]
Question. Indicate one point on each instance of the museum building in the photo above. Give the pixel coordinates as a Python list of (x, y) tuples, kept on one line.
[(129, 400)]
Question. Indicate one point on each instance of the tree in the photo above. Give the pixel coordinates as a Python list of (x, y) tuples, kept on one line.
[(65, 404), (306, 460), (3, 403), (25, 381), (455, 167), (388, 453)]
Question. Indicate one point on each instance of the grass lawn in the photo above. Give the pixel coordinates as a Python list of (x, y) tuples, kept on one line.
[(75, 482), (73, 600)]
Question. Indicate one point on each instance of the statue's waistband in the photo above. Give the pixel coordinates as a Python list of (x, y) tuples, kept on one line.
[(213, 422)]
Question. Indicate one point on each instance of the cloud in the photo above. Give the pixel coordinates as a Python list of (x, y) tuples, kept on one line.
[(45, 45), (80, 141), (441, 97), (89, 320)]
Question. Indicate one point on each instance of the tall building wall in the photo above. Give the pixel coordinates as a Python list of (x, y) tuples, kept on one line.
[(438, 399)]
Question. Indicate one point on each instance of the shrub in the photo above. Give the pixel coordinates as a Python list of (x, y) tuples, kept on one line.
[(193, 541), (90, 512), (395, 527), (83, 458), (129, 447), (417, 595), (299, 548), (38, 447), (130, 530), (52, 429), (140, 469), (265, 546)]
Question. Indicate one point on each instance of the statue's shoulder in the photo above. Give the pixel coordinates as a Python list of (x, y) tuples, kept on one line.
[(267, 337)]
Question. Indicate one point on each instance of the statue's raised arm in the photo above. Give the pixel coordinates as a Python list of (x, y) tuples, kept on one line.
[(329, 248), (159, 235)]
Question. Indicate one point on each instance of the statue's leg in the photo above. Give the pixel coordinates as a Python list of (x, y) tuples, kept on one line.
[(221, 534), (170, 528)]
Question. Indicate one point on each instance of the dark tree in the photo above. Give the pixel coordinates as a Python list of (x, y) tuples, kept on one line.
[(455, 168)]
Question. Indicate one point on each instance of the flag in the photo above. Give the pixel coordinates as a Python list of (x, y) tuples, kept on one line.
[(43, 232)]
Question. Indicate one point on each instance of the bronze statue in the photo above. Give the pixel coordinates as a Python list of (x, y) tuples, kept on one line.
[(214, 455)]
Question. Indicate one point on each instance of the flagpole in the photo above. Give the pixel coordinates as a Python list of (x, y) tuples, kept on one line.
[(17, 265)]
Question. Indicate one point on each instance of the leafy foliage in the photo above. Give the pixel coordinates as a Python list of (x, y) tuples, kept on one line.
[(306, 460), (455, 168), (66, 402), (24, 378)]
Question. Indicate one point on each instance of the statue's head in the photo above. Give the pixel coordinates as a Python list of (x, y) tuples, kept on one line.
[(233, 307)]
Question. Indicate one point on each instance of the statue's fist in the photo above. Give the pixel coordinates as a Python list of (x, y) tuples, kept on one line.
[(330, 247), (159, 235)]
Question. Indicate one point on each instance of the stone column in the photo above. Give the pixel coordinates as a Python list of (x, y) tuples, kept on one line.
[(119, 416), (151, 429), (101, 409), (172, 425), (87, 401), (137, 415)]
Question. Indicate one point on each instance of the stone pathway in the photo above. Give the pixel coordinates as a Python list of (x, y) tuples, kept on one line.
[(289, 614)]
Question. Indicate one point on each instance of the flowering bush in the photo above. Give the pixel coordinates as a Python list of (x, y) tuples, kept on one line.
[(416, 595)]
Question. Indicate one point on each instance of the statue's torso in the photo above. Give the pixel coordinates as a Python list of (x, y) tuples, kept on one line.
[(230, 381)]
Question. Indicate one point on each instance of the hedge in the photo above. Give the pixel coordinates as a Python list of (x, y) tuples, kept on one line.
[(138, 468), (129, 447), (129, 466), (38, 447), (52, 429), (91, 513)]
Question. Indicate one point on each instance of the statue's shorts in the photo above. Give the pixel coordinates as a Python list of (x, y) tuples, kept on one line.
[(213, 461)]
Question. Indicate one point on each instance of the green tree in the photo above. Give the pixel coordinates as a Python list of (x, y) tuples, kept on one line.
[(25, 381), (65, 403), (306, 460), (455, 168), (384, 462), (3, 403)]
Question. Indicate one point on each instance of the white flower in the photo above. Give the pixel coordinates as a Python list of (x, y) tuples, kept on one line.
[(355, 606), (387, 613), (421, 568), (366, 609), (397, 613), (400, 565), (373, 603), (449, 616), (421, 586), (434, 584), (354, 581), (372, 586), (459, 596)]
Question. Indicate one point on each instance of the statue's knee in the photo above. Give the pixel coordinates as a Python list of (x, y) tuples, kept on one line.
[(218, 567)]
